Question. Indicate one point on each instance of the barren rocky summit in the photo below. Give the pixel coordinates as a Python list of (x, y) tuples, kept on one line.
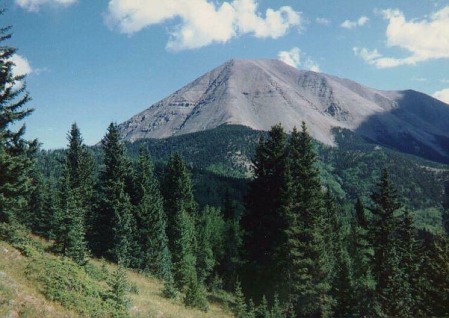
[(261, 93)]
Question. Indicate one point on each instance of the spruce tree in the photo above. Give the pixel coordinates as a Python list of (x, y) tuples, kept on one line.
[(151, 221), (114, 221), (264, 221), (211, 242), (361, 254), (240, 308), (16, 154), (308, 264), (383, 229), (177, 191), (182, 215), (433, 280), (75, 197)]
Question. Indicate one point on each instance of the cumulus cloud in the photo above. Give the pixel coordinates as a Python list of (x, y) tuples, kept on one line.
[(442, 95), (424, 39), (202, 21), (21, 65), (347, 24), (296, 58), (34, 5)]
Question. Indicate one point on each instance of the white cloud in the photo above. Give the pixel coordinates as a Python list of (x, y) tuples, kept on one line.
[(442, 95), (292, 57), (347, 24), (21, 65), (323, 21), (34, 5), (296, 58), (202, 21), (424, 39)]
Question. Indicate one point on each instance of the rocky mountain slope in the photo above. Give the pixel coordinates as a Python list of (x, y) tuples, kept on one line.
[(261, 93)]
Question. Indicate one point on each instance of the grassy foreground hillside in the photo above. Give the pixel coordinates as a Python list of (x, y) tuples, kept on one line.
[(37, 283)]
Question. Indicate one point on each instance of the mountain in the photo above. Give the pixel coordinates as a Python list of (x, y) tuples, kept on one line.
[(261, 93)]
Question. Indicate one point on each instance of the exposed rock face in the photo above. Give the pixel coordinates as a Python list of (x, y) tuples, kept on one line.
[(261, 93)]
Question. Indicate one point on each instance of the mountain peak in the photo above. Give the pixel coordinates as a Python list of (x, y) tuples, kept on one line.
[(261, 93)]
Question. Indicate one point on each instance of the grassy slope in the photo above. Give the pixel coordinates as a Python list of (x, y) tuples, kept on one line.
[(21, 297)]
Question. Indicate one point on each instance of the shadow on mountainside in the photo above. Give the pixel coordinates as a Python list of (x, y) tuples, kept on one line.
[(418, 125)]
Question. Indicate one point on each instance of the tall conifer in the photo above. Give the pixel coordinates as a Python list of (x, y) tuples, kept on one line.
[(309, 264), (16, 154), (114, 222), (151, 220)]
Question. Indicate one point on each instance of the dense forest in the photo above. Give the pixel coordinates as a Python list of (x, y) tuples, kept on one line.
[(286, 240)]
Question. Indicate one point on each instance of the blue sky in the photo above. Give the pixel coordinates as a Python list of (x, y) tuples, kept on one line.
[(98, 61)]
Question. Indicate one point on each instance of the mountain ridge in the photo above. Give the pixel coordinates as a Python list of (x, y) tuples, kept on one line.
[(261, 93)]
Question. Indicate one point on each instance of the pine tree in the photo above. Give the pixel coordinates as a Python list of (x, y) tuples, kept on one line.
[(151, 221), (308, 264), (184, 248), (264, 222), (181, 210), (16, 154), (240, 308), (263, 311), (363, 281), (211, 245), (119, 293), (75, 197), (114, 221), (382, 235)]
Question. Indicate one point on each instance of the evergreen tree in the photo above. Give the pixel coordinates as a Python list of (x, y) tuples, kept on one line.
[(264, 221), (114, 221), (433, 280), (383, 229), (151, 221), (181, 210), (366, 304), (308, 264), (119, 293), (210, 232), (75, 197), (184, 248), (16, 154), (196, 295), (240, 309), (71, 231), (42, 204)]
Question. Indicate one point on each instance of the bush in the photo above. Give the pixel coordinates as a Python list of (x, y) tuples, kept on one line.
[(62, 280)]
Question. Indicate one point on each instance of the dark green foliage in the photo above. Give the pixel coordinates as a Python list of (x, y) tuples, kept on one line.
[(382, 232), (177, 192), (151, 221), (181, 210), (196, 295), (433, 279), (264, 221), (76, 196), (16, 154), (184, 247), (308, 262), (240, 308), (115, 223), (211, 241), (361, 254), (118, 295)]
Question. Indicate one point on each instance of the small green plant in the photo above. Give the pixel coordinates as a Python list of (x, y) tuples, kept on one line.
[(64, 281)]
